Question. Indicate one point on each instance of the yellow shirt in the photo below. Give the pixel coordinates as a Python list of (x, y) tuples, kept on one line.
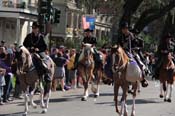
[(70, 64)]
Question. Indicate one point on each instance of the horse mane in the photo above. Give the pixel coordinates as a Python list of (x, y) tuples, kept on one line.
[(124, 57), (89, 46), (28, 56)]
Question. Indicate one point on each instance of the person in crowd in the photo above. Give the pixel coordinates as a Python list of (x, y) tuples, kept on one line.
[(4, 63), (71, 69), (2, 84), (60, 62)]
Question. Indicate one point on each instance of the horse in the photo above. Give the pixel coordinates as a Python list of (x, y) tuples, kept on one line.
[(121, 68), (86, 69), (167, 77), (29, 77)]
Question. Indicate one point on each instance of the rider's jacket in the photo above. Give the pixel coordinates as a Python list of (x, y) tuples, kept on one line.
[(90, 40), (31, 41), (130, 42)]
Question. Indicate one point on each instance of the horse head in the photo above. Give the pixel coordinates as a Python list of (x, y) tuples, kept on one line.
[(119, 58), (87, 51), (23, 59)]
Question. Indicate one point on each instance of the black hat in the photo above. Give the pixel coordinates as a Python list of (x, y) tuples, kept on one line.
[(35, 24), (2, 41), (124, 25), (88, 30)]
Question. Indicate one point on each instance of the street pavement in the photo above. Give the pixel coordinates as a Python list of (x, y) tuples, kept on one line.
[(69, 103)]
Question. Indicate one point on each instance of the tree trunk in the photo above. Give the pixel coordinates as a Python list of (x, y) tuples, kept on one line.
[(152, 14)]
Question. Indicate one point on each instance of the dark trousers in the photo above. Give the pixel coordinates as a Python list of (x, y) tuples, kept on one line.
[(7, 88)]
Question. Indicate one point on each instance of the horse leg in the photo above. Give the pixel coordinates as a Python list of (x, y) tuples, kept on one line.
[(171, 90), (165, 89), (31, 98), (42, 105), (139, 87), (161, 90), (86, 94), (47, 94), (116, 89), (124, 111), (169, 95), (134, 96), (26, 103), (98, 77)]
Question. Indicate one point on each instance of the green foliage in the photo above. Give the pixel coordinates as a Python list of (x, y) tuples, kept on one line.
[(102, 41), (148, 41), (72, 43)]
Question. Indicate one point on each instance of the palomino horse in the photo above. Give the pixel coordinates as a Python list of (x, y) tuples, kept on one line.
[(29, 77), (86, 70), (120, 65), (167, 77)]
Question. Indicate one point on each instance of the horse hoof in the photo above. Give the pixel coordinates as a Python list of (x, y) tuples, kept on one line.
[(83, 99), (161, 96), (96, 95), (139, 91), (165, 100), (25, 114), (133, 114), (169, 100), (117, 110), (44, 111)]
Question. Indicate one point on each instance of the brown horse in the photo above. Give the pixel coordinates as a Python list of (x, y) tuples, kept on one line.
[(29, 77), (86, 69), (167, 78), (120, 62)]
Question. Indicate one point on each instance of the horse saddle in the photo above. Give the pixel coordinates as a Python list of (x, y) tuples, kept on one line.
[(39, 63), (133, 71)]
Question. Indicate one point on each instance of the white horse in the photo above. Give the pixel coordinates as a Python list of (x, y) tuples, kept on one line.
[(29, 77)]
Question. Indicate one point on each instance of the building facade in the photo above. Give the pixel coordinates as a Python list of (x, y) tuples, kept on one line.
[(16, 17), (70, 20)]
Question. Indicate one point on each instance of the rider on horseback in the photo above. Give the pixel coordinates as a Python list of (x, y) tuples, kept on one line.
[(132, 47), (35, 43), (166, 46), (89, 39)]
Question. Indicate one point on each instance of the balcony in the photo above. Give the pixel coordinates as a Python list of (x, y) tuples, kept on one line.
[(19, 4)]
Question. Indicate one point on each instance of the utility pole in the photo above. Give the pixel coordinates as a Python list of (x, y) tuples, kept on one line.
[(45, 17)]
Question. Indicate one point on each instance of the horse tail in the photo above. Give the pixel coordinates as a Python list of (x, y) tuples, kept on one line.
[(164, 86)]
